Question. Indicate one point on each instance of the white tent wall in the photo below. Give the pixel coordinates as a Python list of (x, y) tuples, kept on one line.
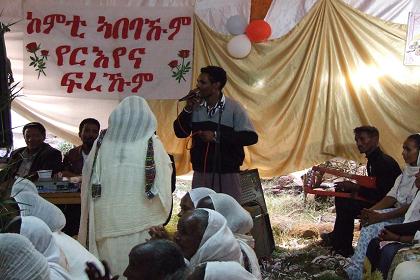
[(283, 15)]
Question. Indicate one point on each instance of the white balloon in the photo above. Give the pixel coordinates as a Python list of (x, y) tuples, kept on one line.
[(236, 25), (239, 46)]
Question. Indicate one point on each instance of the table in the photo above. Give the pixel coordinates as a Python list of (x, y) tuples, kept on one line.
[(62, 197)]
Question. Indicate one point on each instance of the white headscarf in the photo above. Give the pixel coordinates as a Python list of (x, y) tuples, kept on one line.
[(227, 271), (198, 193), (41, 237), (249, 253), (218, 242), (31, 204), (20, 260), (76, 256), (238, 219), (22, 184), (123, 207), (404, 189), (413, 212)]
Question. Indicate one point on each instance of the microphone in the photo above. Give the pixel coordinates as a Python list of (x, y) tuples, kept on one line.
[(191, 94)]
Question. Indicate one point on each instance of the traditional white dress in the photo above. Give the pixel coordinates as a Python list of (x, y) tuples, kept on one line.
[(227, 271), (41, 237), (120, 218), (240, 223)]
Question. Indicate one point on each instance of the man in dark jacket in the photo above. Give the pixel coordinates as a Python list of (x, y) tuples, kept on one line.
[(379, 165), (220, 128), (74, 159), (37, 155)]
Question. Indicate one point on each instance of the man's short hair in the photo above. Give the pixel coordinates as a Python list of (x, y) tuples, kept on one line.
[(216, 74), (164, 256), (89, 121), (369, 130), (36, 125), (415, 138)]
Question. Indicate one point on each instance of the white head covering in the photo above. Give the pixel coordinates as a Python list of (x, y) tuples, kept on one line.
[(238, 219), (404, 189), (20, 260), (31, 204), (249, 253), (198, 193), (22, 184), (218, 242), (123, 208), (413, 212), (76, 256), (41, 237), (227, 271)]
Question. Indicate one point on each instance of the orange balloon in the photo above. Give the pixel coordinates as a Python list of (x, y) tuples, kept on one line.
[(258, 31)]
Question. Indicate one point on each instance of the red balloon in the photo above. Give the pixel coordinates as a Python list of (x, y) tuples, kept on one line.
[(258, 31)]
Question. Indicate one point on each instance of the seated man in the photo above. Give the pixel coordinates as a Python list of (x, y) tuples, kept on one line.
[(37, 155), (73, 165), (379, 165), (74, 159), (156, 259)]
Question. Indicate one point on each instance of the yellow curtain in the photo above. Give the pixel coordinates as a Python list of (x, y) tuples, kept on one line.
[(305, 92)]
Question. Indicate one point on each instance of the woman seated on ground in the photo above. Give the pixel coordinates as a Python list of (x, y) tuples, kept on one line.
[(240, 223), (381, 250), (190, 199), (32, 204), (399, 197), (20, 260), (203, 235), (41, 237)]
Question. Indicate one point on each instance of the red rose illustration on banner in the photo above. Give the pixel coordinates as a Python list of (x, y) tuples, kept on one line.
[(38, 62), (184, 53), (44, 53), (173, 64), (180, 70), (32, 47)]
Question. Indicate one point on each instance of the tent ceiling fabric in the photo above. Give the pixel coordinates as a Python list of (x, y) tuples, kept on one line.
[(305, 92)]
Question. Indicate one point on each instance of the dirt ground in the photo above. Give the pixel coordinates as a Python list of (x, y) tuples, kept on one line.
[(297, 222)]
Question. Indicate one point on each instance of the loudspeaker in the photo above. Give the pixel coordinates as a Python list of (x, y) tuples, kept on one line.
[(252, 191), (253, 201)]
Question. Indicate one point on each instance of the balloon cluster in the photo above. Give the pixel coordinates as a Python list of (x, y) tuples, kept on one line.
[(244, 34)]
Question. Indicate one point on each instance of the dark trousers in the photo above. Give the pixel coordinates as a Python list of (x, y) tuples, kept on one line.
[(381, 259), (72, 214), (347, 210)]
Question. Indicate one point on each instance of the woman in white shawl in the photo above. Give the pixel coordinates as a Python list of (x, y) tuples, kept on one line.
[(203, 235), (221, 270), (190, 199), (20, 260), (41, 237), (31, 204), (126, 186), (400, 197), (240, 223)]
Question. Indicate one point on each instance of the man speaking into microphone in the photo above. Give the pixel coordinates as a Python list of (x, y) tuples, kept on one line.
[(220, 128)]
